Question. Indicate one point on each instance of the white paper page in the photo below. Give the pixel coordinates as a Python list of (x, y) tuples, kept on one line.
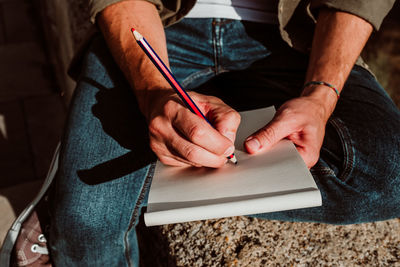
[(277, 172)]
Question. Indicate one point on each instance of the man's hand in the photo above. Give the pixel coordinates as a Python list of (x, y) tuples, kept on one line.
[(181, 138), (177, 136), (301, 120), (338, 40)]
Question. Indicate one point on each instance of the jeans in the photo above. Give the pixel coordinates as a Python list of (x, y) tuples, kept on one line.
[(106, 164)]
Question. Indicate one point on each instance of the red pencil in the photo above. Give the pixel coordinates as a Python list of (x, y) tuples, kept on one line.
[(171, 79)]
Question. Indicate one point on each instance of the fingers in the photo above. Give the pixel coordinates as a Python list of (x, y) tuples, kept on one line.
[(199, 132), (310, 156), (227, 122), (309, 146), (195, 154), (271, 134), (175, 162), (297, 122), (268, 136), (176, 151), (174, 147), (181, 138), (224, 119)]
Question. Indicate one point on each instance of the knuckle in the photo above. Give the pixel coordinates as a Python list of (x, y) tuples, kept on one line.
[(214, 99), (238, 118), (191, 153), (169, 106), (155, 127), (267, 135), (155, 147), (208, 98), (221, 150), (196, 133), (153, 130), (170, 103), (286, 112), (234, 116)]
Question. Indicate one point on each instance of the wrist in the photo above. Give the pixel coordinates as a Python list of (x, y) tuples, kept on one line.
[(150, 100), (323, 96)]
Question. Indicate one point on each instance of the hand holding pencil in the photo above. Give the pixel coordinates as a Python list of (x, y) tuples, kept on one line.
[(205, 128)]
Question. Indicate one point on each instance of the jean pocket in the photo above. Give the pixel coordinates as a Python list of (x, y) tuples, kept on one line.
[(337, 152)]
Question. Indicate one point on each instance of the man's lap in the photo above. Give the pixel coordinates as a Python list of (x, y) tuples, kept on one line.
[(105, 148)]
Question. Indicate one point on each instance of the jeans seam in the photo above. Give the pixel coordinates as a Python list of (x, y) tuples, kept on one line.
[(196, 75), (135, 213), (348, 153), (322, 170), (214, 40), (217, 45)]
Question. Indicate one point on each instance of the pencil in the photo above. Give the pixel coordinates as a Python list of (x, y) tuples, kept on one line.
[(191, 105)]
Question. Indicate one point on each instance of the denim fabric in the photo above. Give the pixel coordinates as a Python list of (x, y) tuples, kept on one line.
[(106, 164)]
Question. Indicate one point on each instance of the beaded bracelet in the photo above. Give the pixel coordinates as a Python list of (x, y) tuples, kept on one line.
[(323, 83)]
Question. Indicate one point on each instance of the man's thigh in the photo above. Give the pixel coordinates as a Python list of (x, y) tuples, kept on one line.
[(359, 167), (105, 168)]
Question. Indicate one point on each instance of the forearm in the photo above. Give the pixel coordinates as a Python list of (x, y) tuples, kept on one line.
[(338, 41), (115, 23)]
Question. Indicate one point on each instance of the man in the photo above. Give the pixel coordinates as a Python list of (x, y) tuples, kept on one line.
[(349, 142)]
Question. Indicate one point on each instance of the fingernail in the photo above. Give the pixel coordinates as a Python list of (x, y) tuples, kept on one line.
[(229, 151), (253, 143), (230, 136)]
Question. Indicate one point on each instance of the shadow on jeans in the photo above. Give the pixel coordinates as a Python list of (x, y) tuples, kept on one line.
[(117, 110)]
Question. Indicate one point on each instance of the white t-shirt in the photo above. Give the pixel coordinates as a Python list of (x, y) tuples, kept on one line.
[(265, 11)]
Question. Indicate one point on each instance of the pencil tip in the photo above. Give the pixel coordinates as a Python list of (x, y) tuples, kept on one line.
[(132, 29), (233, 159)]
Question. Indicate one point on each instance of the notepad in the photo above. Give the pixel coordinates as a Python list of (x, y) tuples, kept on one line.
[(271, 181)]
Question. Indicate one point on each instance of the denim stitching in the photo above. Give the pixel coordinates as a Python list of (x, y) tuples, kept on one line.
[(348, 151), (218, 44), (219, 68), (135, 213), (196, 75), (322, 171), (215, 27)]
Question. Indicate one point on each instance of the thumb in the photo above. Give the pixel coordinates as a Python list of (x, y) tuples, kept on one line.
[(267, 137)]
